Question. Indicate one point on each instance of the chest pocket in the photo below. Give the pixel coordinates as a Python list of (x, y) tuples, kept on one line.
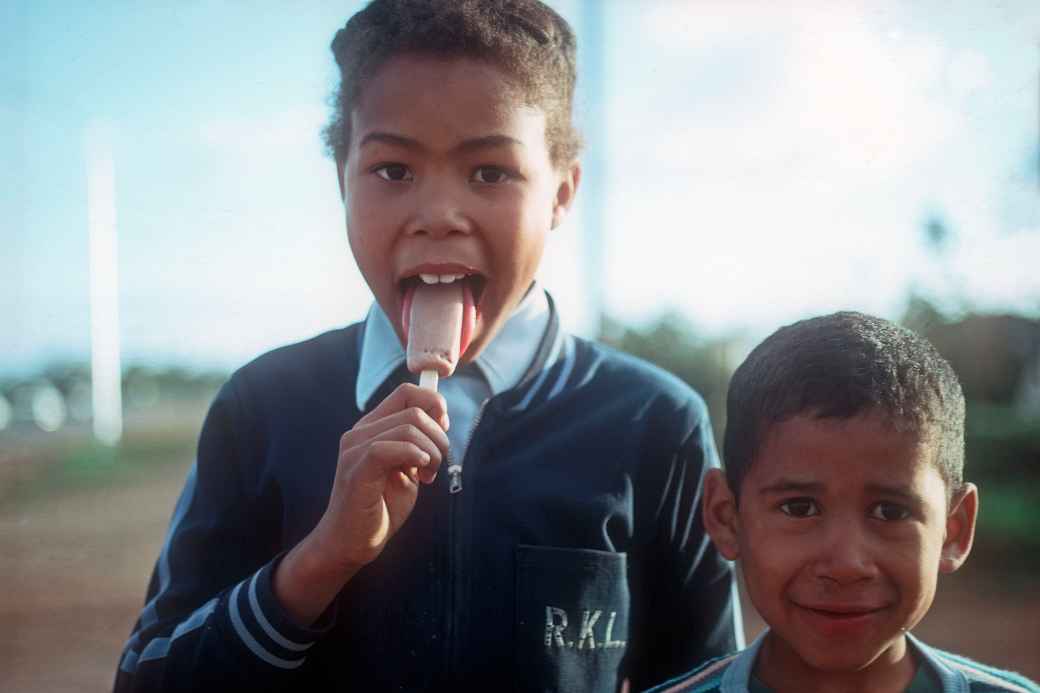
[(572, 617)]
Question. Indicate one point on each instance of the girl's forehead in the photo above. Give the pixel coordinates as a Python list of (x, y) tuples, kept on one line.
[(443, 101), (410, 75)]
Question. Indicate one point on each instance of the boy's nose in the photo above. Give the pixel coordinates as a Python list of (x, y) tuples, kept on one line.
[(846, 556)]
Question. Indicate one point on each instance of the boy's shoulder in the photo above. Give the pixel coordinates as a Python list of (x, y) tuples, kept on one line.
[(956, 670), (956, 673), (706, 678)]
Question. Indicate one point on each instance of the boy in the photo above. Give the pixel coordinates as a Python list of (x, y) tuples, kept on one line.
[(843, 498), (337, 531)]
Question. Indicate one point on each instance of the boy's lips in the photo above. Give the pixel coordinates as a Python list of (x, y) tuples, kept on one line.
[(840, 619)]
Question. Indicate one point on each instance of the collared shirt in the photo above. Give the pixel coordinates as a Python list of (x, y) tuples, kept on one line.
[(499, 367), (936, 671)]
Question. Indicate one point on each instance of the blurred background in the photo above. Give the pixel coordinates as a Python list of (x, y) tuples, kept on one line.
[(167, 213)]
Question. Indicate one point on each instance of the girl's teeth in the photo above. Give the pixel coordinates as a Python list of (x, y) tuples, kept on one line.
[(439, 278)]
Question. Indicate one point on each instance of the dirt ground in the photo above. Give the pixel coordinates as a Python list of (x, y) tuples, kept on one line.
[(73, 570)]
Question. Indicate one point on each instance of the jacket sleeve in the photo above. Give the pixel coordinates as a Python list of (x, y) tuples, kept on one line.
[(211, 618), (686, 605)]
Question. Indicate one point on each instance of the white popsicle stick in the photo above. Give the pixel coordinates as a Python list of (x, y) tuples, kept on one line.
[(428, 380)]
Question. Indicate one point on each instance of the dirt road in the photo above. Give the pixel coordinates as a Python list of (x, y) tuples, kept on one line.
[(73, 570)]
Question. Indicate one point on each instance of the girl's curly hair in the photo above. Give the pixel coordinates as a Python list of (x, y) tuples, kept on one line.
[(529, 41)]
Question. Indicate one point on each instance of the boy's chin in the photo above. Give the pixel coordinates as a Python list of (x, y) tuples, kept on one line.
[(849, 658)]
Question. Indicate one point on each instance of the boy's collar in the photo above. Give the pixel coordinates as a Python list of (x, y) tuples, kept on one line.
[(737, 676), (503, 362)]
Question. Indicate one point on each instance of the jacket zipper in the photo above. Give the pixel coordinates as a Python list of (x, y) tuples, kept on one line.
[(455, 470), (456, 585)]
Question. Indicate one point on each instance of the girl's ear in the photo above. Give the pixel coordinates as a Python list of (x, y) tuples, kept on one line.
[(960, 529), (719, 511), (341, 176), (565, 193)]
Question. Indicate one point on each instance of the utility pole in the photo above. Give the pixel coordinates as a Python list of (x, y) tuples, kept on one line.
[(105, 368), (594, 173)]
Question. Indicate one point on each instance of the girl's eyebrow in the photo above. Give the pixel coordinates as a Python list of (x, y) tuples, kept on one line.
[(390, 138), (487, 142), (468, 145)]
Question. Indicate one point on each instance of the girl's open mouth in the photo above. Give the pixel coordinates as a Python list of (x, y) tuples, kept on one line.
[(473, 285)]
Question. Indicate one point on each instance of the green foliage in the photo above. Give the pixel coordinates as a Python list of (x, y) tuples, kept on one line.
[(81, 463)]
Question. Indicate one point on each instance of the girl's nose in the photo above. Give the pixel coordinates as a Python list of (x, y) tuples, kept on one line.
[(440, 211)]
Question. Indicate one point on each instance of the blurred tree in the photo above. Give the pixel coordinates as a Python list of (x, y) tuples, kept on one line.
[(937, 235), (997, 359)]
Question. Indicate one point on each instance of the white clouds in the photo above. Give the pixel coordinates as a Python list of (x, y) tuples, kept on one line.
[(841, 96), (967, 72), (292, 130), (781, 161)]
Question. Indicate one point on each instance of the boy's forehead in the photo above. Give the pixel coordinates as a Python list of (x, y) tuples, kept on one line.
[(864, 448)]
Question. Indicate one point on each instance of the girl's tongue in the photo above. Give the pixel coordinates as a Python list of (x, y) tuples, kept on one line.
[(439, 320)]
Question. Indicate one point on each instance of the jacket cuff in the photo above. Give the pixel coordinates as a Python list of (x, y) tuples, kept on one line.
[(265, 629)]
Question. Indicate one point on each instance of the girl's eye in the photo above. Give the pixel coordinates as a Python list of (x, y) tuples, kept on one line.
[(889, 512), (490, 174), (395, 173), (800, 507)]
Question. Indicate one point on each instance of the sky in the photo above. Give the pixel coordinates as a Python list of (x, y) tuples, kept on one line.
[(747, 164)]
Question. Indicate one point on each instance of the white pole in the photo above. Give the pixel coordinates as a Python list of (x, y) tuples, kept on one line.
[(105, 368), (594, 176)]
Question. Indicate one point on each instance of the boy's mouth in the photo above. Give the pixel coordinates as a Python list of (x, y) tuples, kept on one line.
[(842, 619), (473, 285)]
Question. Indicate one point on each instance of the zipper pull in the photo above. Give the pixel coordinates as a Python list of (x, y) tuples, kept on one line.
[(454, 478)]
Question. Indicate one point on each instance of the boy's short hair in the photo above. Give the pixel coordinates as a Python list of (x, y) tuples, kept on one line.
[(526, 39), (840, 366)]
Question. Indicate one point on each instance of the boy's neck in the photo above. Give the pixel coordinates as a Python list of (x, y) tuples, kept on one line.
[(781, 669)]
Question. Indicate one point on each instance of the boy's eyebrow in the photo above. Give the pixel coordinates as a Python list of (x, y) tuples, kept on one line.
[(901, 492), (475, 143), (814, 487), (792, 485)]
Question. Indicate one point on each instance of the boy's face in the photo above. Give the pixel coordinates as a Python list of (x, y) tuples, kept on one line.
[(841, 530), (449, 173)]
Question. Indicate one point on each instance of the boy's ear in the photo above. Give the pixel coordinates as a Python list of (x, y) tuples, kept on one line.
[(719, 511), (565, 193), (960, 529)]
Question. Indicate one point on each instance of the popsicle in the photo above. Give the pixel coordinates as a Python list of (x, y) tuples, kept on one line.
[(435, 321)]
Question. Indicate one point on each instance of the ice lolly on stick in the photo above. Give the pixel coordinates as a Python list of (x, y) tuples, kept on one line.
[(434, 331)]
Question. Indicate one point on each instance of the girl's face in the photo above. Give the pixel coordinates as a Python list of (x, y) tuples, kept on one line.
[(448, 173)]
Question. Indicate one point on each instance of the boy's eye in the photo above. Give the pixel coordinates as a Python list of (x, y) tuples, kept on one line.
[(889, 512), (490, 174), (394, 173), (800, 507)]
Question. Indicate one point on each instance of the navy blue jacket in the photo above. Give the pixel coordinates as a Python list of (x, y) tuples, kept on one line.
[(573, 557)]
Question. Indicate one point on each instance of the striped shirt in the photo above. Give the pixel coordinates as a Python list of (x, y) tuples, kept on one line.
[(732, 673)]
